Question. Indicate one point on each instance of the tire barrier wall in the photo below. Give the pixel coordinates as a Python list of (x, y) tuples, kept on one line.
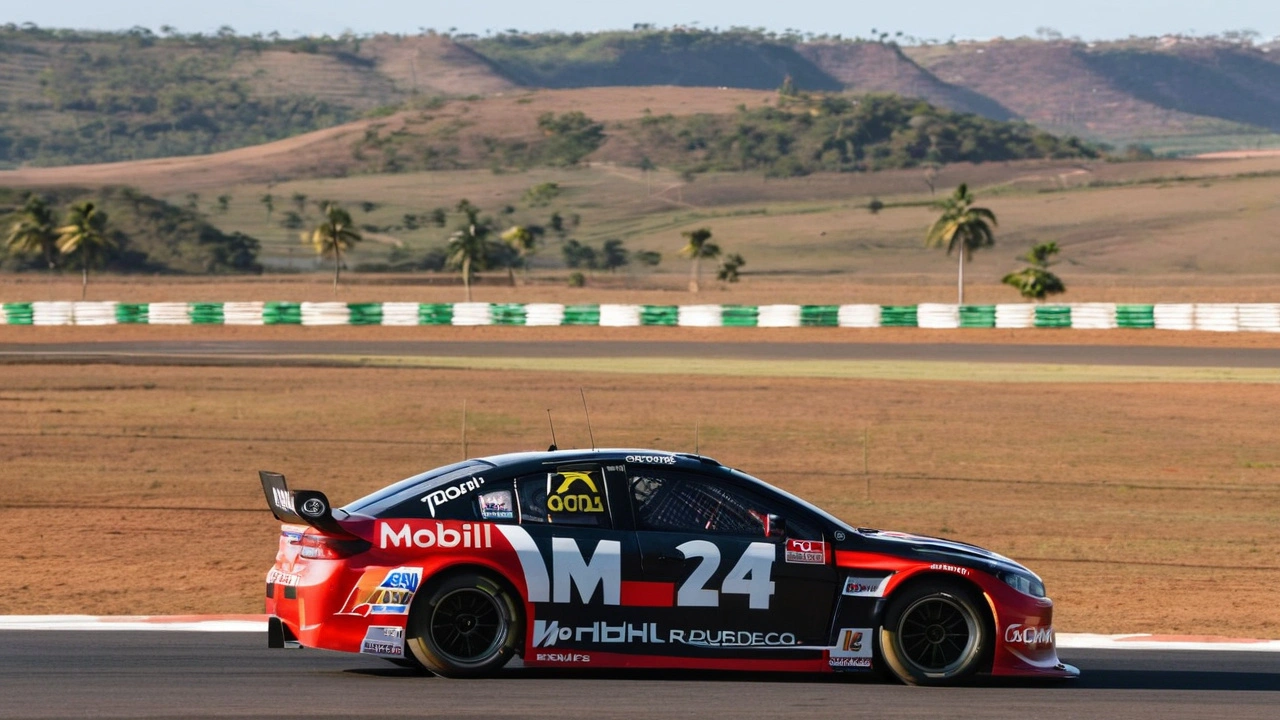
[(1217, 317)]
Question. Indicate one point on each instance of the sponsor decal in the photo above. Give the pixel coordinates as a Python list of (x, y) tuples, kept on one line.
[(807, 552), (440, 496), (313, 507), (549, 633), (733, 639), (569, 568), (282, 578), (1019, 634), (497, 505), (389, 595), (615, 468), (578, 492), (852, 650), (546, 634), (438, 534), (839, 535), (282, 498), (652, 459), (562, 657), (951, 568), (382, 640), (865, 587)]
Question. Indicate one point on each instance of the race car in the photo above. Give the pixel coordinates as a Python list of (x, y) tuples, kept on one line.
[(639, 559)]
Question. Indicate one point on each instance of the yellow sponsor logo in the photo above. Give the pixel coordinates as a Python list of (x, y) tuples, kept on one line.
[(573, 476), (580, 502)]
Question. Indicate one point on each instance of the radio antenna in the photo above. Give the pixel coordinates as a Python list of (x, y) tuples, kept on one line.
[(695, 437), (588, 414), (464, 429), (553, 432)]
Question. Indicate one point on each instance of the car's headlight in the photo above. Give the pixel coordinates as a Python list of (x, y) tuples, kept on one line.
[(1025, 584)]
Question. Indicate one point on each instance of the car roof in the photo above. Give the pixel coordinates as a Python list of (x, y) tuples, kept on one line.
[(633, 455), (523, 462)]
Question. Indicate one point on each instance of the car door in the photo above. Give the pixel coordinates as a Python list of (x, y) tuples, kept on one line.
[(740, 587), (576, 562)]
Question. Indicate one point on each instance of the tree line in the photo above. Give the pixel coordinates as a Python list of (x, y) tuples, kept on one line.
[(86, 239), (123, 230)]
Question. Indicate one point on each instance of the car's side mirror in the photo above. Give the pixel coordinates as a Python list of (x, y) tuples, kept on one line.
[(775, 526)]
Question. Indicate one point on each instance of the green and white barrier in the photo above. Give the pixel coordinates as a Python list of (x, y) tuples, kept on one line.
[(1219, 317), (169, 313), (244, 313)]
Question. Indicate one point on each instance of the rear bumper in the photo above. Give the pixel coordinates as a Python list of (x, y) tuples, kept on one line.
[(279, 635)]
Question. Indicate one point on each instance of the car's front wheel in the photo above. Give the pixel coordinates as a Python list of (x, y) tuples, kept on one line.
[(467, 625), (934, 634)]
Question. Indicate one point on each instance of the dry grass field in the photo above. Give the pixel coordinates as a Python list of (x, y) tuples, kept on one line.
[(1173, 223), (133, 490)]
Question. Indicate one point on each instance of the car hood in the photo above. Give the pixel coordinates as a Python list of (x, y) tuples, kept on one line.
[(923, 547)]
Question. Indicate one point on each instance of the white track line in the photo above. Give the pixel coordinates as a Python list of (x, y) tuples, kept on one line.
[(184, 623), (258, 623), (1144, 641)]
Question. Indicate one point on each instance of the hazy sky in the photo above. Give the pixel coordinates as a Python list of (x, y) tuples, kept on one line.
[(939, 19)]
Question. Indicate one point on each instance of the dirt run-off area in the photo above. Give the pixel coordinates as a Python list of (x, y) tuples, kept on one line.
[(1146, 506)]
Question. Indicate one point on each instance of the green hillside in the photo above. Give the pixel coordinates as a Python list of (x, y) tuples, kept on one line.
[(74, 97), (797, 135), (841, 134), (150, 234), (677, 57)]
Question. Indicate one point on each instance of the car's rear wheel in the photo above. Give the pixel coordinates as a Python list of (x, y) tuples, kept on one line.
[(467, 625), (934, 634)]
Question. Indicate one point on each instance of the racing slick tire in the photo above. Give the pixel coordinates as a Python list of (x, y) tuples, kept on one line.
[(466, 625), (934, 634)]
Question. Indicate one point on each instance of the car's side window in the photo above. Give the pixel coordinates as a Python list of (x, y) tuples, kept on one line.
[(566, 496), (682, 502), (497, 505)]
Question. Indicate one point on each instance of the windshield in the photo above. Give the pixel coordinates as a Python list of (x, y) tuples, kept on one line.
[(390, 495)]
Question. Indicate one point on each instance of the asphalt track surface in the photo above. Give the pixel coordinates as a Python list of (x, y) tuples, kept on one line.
[(306, 352), (101, 674)]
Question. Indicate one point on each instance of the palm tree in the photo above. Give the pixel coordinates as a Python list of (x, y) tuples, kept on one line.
[(469, 245), (84, 239), (1035, 281), (729, 268), (698, 247), (963, 228), (524, 240), (333, 237), (36, 231)]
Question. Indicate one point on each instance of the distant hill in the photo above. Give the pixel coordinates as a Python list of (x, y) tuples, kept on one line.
[(72, 97), (685, 58), (1118, 90), (709, 131), (883, 68)]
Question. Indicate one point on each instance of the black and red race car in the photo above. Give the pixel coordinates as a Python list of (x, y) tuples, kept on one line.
[(639, 559)]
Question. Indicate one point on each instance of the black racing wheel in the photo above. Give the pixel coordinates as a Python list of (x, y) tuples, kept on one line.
[(934, 634), (467, 625)]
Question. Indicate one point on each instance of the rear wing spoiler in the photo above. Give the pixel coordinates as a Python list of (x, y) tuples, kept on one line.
[(303, 507)]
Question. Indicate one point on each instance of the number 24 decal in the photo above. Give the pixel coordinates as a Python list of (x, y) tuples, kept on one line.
[(750, 577)]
